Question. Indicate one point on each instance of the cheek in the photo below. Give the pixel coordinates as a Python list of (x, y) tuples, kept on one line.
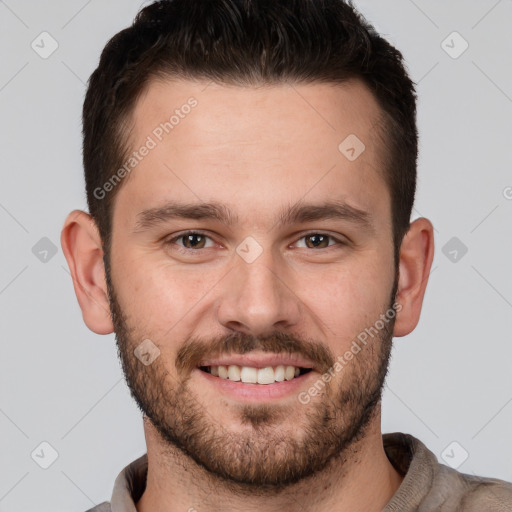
[(349, 298), (159, 297)]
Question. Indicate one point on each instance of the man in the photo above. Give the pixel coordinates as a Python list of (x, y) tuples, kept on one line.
[(250, 169)]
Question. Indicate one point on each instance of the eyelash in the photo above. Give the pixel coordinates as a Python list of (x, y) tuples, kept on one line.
[(187, 233)]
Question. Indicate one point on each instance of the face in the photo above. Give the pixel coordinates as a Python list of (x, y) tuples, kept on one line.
[(245, 241)]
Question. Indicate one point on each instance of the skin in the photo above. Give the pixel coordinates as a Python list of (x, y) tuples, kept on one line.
[(254, 150)]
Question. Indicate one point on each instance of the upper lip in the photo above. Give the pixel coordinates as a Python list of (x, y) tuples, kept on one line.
[(259, 361)]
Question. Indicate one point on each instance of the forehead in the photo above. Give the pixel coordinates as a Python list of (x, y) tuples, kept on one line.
[(226, 113), (282, 142)]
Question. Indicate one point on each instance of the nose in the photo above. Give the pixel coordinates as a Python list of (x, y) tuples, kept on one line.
[(257, 299)]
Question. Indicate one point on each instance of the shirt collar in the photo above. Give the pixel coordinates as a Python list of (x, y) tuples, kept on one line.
[(409, 456), (130, 485)]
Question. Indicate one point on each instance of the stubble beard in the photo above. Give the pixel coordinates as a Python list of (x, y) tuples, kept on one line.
[(271, 451)]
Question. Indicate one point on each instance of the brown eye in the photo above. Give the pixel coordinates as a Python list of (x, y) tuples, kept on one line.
[(316, 241), (193, 241)]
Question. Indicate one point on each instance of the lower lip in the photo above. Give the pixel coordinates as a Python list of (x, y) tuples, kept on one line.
[(257, 392)]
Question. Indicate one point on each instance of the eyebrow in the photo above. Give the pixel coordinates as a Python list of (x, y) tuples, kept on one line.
[(170, 211), (299, 213)]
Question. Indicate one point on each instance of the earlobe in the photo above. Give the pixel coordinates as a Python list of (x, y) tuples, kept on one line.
[(416, 255), (81, 244)]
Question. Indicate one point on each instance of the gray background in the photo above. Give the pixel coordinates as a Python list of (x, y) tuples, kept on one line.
[(450, 380)]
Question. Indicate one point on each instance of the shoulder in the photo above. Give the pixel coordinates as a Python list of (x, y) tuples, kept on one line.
[(429, 485), (468, 493), (102, 507), (481, 493)]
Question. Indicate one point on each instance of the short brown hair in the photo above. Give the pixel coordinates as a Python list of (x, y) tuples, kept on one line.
[(247, 42)]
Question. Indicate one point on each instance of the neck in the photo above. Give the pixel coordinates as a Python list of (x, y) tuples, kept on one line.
[(362, 479)]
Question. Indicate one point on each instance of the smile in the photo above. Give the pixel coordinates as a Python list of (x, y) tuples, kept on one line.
[(253, 375)]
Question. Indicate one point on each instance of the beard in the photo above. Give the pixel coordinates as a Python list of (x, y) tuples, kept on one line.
[(271, 449)]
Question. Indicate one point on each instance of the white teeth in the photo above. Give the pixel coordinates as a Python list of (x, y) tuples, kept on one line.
[(233, 372), (266, 375), (289, 373), (223, 371), (279, 373), (248, 374), (251, 375)]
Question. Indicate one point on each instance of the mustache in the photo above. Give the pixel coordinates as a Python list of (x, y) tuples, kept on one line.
[(194, 350)]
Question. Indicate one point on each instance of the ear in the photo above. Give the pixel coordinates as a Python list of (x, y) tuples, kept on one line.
[(82, 247), (416, 255)]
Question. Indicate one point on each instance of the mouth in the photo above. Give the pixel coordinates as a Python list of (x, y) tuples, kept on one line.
[(255, 375)]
